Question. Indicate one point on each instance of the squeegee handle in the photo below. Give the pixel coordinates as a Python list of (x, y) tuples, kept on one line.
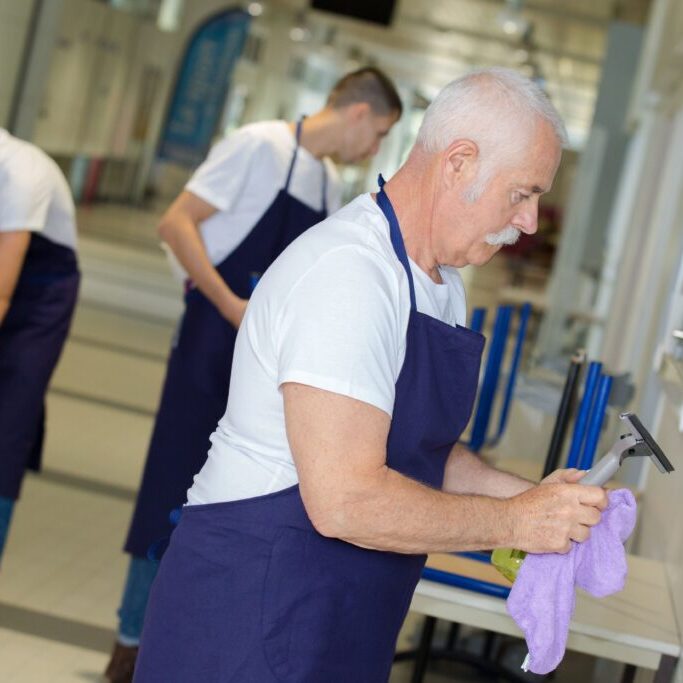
[(602, 471)]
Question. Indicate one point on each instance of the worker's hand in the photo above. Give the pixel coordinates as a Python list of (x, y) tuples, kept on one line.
[(548, 517), (569, 476)]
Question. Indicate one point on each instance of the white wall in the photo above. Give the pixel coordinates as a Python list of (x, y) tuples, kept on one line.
[(89, 104), (647, 288), (15, 18)]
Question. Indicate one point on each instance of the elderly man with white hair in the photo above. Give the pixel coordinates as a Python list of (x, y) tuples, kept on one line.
[(336, 466)]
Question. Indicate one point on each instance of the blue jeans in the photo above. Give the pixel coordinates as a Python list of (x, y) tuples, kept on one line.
[(141, 573), (6, 508)]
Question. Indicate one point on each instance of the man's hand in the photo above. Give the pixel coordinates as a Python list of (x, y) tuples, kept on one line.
[(548, 517), (569, 476)]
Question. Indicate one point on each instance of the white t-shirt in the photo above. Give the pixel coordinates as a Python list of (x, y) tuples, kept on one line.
[(33, 193), (331, 313), (242, 175)]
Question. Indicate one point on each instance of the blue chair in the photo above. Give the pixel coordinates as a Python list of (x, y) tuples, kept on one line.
[(597, 417), (494, 363), (478, 319), (524, 315)]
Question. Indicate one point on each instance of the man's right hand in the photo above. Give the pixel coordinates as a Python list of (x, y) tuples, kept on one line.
[(547, 518)]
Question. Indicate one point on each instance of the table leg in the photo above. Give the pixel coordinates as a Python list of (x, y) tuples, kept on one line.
[(629, 674), (665, 672), (453, 633), (423, 650)]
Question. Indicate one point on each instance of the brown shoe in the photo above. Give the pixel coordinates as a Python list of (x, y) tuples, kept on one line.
[(122, 664)]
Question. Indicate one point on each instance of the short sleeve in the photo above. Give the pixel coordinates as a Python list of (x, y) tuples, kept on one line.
[(342, 329), (220, 178), (24, 197)]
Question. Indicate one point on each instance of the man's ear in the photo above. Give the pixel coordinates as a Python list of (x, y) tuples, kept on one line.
[(460, 161), (356, 112)]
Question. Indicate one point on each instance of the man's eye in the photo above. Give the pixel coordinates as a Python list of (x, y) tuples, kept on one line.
[(519, 197)]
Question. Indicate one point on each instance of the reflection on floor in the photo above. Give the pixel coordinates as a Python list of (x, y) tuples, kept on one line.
[(63, 569)]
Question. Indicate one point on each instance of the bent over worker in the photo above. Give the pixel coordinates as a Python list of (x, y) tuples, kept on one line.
[(257, 191), (336, 466), (38, 289)]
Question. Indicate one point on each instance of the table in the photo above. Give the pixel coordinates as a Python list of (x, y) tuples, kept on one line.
[(636, 626)]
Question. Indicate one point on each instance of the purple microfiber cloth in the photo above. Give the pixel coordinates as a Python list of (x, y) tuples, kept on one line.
[(542, 598)]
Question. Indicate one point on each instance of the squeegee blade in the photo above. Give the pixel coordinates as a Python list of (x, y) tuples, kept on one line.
[(660, 460)]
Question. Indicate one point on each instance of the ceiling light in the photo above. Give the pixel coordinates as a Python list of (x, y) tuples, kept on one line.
[(299, 34), (255, 9), (510, 19), (168, 17)]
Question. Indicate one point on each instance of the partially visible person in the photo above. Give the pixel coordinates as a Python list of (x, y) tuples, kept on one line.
[(257, 191), (38, 288)]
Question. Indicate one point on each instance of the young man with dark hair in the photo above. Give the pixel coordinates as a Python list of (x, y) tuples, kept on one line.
[(257, 191)]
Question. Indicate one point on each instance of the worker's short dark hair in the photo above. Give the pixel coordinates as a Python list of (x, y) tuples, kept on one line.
[(366, 85)]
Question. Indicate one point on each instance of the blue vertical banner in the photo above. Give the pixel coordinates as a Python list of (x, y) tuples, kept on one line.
[(201, 87)]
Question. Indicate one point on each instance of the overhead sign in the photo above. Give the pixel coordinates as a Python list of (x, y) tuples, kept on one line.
[(201, 87)]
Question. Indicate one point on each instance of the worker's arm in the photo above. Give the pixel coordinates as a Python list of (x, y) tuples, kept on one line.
[(339, 449), (467, 473), (179, 228), (13, 247)]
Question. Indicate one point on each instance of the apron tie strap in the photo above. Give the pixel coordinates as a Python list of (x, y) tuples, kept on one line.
[(396, 237), (299, 125)]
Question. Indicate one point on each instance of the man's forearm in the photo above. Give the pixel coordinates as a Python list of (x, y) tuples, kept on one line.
[(467, 473), (394, 513)]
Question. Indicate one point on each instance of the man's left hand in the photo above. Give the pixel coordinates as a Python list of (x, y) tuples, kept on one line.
[(570, 476)]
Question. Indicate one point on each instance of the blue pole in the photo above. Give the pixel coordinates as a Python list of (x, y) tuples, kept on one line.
[(478, 319), (524, 313), (584, 413), (491, 374), (595, 422)]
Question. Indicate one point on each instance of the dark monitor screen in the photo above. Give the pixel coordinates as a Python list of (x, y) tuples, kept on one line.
[(376, 11)]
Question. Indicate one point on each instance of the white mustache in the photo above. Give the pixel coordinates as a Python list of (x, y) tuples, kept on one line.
[(508, 235)]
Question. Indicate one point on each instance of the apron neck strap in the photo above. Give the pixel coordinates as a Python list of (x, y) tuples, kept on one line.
[(299, 125), (396, 237)]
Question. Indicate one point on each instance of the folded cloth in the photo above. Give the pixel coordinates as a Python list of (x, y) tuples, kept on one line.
[(542, 598)]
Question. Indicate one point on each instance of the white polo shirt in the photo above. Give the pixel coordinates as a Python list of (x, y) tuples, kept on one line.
[(242, 176), (34, 194), (331, 313)]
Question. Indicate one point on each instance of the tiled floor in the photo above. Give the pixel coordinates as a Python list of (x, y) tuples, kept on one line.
[(63, 568)]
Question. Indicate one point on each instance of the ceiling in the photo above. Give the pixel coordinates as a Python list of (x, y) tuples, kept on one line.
[(559, 42)]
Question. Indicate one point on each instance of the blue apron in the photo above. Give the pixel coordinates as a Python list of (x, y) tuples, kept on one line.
[(195, 391), (249, 592), (31, 339)]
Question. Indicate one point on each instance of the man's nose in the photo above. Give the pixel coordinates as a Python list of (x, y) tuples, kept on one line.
[(527, 220)]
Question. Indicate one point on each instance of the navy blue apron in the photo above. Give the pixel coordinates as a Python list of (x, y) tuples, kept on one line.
[(31, 339), (195, 391), (249, 592)]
